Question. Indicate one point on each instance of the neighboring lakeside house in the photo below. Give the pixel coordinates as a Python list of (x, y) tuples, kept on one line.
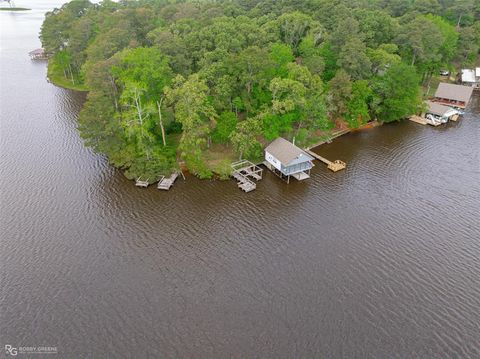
[(471, 77), (468, 77), (457, 96), (285, 159)]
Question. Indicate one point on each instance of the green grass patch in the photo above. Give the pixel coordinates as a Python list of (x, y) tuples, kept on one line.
[(14, 9), (56, 76)]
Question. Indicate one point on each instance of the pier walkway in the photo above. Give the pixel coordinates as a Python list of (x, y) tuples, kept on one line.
[(334, 166), (244, 171), (142, 183), (165, 183)]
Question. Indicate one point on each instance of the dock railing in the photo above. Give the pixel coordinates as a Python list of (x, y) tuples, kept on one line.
[(244, 171)]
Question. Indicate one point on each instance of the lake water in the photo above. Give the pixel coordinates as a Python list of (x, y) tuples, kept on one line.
[(379, 261)]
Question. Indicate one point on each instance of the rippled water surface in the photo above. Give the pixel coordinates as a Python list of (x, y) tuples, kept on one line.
[(379, 261)]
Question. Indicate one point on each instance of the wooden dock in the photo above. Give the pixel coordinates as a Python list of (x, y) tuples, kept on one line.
[(418, 119), (244, 171), (141, 183), (455, 118), (423, 121), (165, 183), (334, 166), (38, 54)]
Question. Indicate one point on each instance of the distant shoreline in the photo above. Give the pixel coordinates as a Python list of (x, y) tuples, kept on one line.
[(14, 9)]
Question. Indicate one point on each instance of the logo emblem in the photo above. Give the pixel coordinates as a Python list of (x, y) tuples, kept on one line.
[(9, 350)]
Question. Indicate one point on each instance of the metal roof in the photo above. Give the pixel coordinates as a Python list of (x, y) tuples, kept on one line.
[(36, 52), (285, 151), (454, 92), (468, 75), (438, 109), (477, 72)]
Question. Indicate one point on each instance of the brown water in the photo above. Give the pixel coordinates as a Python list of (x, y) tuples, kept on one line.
[(379, 261)]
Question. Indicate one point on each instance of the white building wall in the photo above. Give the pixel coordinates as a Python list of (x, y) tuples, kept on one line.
[(273, 161)]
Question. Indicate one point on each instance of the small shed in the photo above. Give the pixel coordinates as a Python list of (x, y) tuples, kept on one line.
[(468, 77), (285, 159), (453, 95)]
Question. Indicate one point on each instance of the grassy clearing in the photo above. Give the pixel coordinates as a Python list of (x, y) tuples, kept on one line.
[(56, 76), (14, 9), (218, 159)]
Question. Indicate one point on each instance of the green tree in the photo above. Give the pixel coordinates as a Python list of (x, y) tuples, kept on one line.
[(56, 28), (149, 69), (426, 6), (354, 60), (330, 58), (226, 124), (383, 57), (358, 106), (189, 97), (468, 46), (398, 93), (135, 117), (293, 27), (281, 55), (377, 26), (244, 138), (311, 55), (345, 30), (420, 40), (339, 94), (461, 10)]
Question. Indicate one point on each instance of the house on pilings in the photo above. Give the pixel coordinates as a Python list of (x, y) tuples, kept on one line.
[(287, 160)]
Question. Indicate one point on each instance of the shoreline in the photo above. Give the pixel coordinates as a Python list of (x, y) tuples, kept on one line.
[(14, 9), (59, 80), (339, 133)]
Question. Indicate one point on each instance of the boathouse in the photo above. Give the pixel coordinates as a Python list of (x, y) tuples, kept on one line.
[(287, 160), (437, 113), (453, 95), (38, 54)]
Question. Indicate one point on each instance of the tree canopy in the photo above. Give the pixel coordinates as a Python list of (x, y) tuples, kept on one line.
[(173, 81)]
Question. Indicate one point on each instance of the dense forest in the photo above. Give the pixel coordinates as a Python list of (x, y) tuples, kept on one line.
[(205, 82)]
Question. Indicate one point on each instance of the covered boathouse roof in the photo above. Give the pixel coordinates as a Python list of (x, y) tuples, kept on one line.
[(286, 152), (454, 92), (438, 109), (37, 52)]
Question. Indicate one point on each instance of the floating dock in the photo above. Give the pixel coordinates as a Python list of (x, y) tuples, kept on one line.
[(165, 183), (140, 183), (455, 118), (244, 171), (334, 166), (418, 119)]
